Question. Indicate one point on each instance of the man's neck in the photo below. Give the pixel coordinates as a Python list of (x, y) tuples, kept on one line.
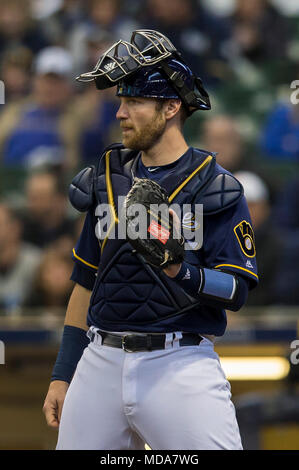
[(167, 150)]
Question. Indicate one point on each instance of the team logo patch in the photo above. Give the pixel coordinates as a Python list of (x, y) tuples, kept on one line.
[(245, 237)]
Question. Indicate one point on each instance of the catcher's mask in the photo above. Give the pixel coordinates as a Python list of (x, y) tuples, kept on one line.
[(148, 66)]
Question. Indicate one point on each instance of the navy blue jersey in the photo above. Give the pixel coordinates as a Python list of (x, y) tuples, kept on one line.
[(157, 173), (228, 244)]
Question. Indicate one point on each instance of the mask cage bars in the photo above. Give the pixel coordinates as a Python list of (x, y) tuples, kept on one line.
[(115, 65)]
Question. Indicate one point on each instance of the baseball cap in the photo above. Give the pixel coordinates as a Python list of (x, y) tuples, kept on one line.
[(255, 189), (55, 60)]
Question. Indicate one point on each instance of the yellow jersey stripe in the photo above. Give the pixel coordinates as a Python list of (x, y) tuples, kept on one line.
[(83, 261), (109, 187), (110, 199), (201, 166), (238, 267)]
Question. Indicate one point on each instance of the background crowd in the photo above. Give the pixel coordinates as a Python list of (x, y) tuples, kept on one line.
[(246, 52)]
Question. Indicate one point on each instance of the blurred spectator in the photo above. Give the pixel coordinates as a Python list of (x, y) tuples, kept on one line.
[(286, 290), (268, 240), (17, 28), (286, 218), (16, 73), (41, 127), (43, 9), (280, 137), (95, 114), (52, 286), (103, 15), (18, 261), (46, 218), (93, 110), (58, 17), (65, 243), (286, 209), (197, 33), (257, 197), (96, 43), (221, 135), (259, 32), (108, 14)]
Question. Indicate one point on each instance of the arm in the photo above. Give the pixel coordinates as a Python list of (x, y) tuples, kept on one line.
[(77, 307), (213, 287), (75, 326)]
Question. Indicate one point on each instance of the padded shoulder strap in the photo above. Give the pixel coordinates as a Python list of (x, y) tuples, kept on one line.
[(81, 192), (118, 147), (223, 192)]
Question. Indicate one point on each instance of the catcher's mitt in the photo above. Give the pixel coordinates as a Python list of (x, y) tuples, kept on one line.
[(150, 230)]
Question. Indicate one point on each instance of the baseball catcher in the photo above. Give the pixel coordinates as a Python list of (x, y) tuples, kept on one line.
[(137, 363)]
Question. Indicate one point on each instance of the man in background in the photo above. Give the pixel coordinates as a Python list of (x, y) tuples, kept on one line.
[(18, 261), (46, 217)]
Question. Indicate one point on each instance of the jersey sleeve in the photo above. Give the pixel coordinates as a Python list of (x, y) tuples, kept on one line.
[(86, 253), (229, 244)]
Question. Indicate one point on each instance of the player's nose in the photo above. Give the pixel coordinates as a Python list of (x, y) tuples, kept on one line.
[(122, 112)]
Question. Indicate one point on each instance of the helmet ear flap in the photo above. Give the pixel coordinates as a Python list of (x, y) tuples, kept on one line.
[(191, 91), (201, 94)]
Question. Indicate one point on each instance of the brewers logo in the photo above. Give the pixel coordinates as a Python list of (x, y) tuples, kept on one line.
[(245, 237)]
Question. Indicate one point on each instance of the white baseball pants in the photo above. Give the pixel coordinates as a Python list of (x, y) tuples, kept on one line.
[(172, 399)]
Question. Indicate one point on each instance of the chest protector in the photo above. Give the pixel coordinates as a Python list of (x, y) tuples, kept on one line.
[(127, 290)]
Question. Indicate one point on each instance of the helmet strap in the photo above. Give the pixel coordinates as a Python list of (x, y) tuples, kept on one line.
[(189, 98)]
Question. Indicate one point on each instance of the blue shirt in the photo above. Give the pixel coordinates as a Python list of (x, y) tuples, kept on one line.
[(280, 137), (36, 128)]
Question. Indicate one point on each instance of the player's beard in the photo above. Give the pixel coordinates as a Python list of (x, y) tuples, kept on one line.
[(147, 136)]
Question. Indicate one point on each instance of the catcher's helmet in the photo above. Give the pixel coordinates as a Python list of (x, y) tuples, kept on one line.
[(149, 66)]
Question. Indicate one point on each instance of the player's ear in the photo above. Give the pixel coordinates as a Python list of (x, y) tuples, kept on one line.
[(172, 107)]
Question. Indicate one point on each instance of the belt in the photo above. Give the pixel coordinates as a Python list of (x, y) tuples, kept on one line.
[(146, 342)]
